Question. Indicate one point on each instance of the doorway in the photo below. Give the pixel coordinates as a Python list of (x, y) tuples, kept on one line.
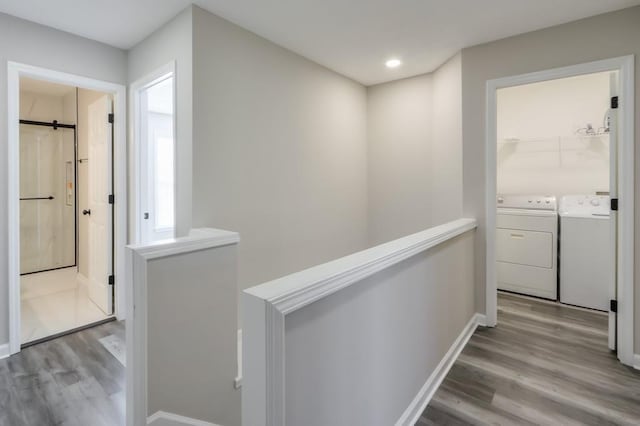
[(66, 221), (67, 227), (589, 162), (153, 119)]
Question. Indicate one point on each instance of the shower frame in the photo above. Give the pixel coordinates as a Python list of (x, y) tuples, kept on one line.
[(55, 125)]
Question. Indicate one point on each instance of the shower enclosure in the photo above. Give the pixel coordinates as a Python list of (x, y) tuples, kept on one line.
[(48, 214)]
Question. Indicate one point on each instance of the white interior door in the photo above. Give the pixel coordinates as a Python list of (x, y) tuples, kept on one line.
[(100, 210), (613, 193)]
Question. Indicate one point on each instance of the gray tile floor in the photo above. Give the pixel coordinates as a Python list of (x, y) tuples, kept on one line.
[(544, 364), (72, 380)]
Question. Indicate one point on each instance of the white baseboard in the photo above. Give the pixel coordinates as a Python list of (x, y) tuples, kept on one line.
[(82, 279), (481, 320), (636, 361), (419, 403), (4, 351), (162, 418)]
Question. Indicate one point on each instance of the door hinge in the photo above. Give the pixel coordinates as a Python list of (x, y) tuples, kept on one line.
[(110, 118), (613, 305), (112, 280), (111, 199), (614, 102), (614, 204)]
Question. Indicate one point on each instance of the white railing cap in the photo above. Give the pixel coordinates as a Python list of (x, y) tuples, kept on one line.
[(198, 239), (294, 291)]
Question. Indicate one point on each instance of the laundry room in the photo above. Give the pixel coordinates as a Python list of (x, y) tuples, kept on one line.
[(555, 161)]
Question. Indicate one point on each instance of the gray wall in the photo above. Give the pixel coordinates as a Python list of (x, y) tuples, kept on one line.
[(191, 335), (361, 355), (33, 44), (415, 153), (400, 138), (279, 152), (446, 152), (605, 36), (173, 42)]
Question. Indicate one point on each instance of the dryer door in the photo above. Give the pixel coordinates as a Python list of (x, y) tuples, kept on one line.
[(531, 248)]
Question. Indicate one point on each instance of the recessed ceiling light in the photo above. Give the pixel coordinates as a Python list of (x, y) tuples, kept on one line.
[(393, 63)]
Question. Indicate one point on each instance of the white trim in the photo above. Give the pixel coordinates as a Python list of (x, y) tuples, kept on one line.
[(134, 150), (238, 380), (198, 239), (13, 214), (138, 256), (4, 351), (176, 419), (481, 320), (294, 291), (636, 361), (265, 307), (14, 72), (413, 412), (626, 172), (136, 340)]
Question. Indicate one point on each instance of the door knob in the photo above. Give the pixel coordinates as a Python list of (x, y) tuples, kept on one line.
[(86, 212), (146, 215)]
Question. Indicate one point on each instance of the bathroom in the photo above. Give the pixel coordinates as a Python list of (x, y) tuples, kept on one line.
[(65, 217)]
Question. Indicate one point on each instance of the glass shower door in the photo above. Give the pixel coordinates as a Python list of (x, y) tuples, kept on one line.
[(47, 198)]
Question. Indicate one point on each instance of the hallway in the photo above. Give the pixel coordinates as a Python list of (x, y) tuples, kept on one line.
[(75, 380), (544, 364)]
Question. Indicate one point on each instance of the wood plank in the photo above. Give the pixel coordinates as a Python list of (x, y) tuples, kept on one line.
[(545, 363), (72, 380)]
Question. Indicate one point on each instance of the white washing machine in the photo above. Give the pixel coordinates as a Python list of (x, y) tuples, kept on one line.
[(586, 270), (527, 245)]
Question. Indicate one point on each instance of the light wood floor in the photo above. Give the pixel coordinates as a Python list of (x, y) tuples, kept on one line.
[(72, 380), (544, 364)]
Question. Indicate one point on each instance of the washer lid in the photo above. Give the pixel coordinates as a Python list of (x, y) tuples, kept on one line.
[(528, 202), (593, 206)]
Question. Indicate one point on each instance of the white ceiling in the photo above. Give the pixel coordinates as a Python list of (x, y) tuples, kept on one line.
[(45, 87), (352, 37)]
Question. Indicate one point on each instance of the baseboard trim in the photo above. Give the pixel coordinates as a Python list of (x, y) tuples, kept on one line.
[(636, 361), (169, 419), (481, 320), (412, 414), (4, 351), (82, 279)]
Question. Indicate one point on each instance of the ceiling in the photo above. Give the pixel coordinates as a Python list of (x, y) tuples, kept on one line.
[(44, 87), (352, 37)]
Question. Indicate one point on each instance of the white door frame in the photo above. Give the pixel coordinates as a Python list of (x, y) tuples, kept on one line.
[(625, 66), (135, 152), (15, 71)]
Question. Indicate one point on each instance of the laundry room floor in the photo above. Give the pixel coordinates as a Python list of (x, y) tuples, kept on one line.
[(544, 364)]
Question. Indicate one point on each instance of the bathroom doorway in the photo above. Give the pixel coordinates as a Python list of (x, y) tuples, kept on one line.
[(66, 218)]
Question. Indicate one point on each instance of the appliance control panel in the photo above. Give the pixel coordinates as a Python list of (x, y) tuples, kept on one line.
[(531, 202), (587, 205)]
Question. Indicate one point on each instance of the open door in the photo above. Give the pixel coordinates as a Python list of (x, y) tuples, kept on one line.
[(100, 204), (613, 218), (155, 134)]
